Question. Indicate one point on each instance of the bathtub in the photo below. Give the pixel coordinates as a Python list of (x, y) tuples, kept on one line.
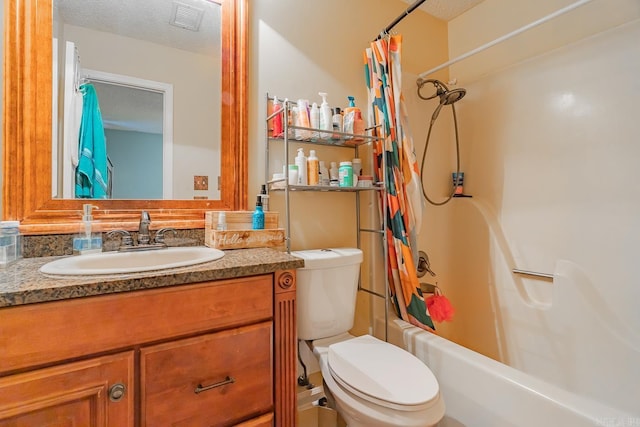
[(479, 391)]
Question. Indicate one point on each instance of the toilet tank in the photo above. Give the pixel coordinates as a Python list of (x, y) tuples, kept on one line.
[(326, 291)]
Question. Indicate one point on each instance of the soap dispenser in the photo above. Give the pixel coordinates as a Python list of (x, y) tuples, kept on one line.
[(87, 241)]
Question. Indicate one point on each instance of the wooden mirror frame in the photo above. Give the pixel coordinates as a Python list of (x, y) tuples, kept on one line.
[(27, 131)]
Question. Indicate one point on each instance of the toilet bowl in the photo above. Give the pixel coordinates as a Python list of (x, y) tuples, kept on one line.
[(372, 383), (376, 384)]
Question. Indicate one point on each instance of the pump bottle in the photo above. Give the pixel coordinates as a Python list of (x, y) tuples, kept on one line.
[(87, 241), (264, 198)]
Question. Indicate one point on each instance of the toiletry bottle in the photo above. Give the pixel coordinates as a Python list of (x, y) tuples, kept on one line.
[(334, 175), (277, 119), (222, 221), (301, 162), (264, 198), (350, 115), (313, 168), (314, 116), (324, 174), (303, 118), (293, 174), (87, 241), (257, 220), (336, 121), (326, 119), (346, 174), (358, 126)]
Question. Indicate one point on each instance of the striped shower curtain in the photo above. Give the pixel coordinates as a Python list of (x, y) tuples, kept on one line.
[(400, 173)]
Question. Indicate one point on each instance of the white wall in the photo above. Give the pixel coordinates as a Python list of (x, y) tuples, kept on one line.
[(550, 155)]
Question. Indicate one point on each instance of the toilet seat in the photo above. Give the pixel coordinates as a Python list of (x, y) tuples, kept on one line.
[(382, 373)]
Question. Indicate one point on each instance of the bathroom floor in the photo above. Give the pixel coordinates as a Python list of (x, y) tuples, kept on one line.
[(309, 413)]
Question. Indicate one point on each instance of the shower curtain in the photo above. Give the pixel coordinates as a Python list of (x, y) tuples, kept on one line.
[(396, 165)]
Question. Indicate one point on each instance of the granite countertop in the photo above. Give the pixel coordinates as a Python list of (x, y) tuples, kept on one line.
[(23, 283)]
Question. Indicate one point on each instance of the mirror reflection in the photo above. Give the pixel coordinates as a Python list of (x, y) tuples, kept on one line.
[(154, 69)]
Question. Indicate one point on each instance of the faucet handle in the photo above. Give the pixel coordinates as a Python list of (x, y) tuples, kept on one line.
[(159, 237), (127, 240)]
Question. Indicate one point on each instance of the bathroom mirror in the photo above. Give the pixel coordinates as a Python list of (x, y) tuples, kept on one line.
[(27, 190)]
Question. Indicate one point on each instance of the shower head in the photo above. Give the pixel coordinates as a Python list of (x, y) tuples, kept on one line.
[(447, 97)]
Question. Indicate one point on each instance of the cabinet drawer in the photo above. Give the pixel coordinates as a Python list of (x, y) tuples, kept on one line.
[(211, 380), (97, 324)]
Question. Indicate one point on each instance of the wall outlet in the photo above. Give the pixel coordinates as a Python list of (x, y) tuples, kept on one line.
[(200, 182)]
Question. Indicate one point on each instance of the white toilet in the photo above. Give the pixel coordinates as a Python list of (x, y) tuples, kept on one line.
[(373, 383)]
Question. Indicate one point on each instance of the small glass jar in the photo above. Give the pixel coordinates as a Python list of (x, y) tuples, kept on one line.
[(10, 242)]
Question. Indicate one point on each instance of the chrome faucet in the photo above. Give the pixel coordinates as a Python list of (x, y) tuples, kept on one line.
[(144, 238), (143, 228)]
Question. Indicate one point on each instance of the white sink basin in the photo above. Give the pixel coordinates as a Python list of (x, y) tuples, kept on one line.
[(131, 262)]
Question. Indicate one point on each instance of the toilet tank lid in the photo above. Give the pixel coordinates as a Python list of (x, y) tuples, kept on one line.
[(327, 258), (383, 372)]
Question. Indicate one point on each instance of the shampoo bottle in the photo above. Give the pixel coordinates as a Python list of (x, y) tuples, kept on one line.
[(326, 119), (315, 119), (303, 118), (301, 162), (87, 241), (358, 126), (277, 119), (257, 220), (324, 174), (350, 115), (313, 168)]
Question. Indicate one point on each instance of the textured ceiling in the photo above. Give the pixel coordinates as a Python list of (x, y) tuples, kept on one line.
[(446, 9), (145, 20)]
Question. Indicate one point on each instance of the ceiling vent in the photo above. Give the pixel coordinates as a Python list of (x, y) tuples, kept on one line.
[(186, 16)]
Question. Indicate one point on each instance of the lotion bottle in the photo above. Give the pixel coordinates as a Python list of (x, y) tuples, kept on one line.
[(315, 119), (301, 162), (326, 119), (313, 168)]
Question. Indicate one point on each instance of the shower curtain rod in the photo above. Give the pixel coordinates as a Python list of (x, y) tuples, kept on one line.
[(399, 18), (505, 37)]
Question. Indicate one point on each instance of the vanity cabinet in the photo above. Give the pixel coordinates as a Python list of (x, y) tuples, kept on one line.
[(216, 353)]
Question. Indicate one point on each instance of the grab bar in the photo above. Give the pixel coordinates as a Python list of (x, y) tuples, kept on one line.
[(533, 273)]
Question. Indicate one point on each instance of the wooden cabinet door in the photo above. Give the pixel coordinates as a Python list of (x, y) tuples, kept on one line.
[(85, 393)]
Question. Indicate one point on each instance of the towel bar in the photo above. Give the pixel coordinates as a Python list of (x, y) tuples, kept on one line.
[(533, 273)]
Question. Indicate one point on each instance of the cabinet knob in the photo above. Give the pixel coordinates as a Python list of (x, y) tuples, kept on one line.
[(116, 392)]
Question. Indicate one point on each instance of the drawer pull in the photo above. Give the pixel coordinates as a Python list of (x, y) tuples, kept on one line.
[(200, 388)]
